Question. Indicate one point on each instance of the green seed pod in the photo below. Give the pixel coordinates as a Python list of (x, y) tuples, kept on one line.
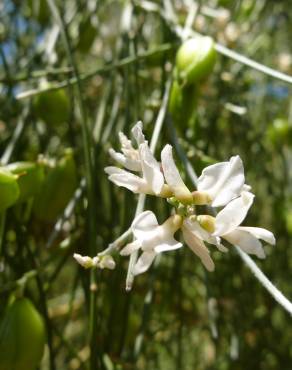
[(22, 336), (280, 132), (31, 176), (288, 220), (39, 10), (58, 188), (53, 107), (87, 34), (195, 59), (9, 189), (183, 103)]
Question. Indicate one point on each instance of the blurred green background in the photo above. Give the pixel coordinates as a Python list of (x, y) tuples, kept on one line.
[(107, 63)]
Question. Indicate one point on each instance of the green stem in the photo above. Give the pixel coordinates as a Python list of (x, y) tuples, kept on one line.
[(87, 145), (99, 71), (2, 228)]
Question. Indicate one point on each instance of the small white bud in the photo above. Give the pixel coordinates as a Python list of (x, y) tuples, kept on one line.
[(107, 262), (84, 261)]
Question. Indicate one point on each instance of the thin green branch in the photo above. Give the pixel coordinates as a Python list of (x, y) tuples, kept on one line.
[(99, 71)]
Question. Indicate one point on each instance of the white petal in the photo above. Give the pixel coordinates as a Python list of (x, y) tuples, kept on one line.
[(143, 224), (172, 176), (144, 262), (130, 164), (169, 244), (246, 187), (202, 234), (126, 179), (138, 133), (246, 241), (260, 233), (151, 169), (223, 181), (126, 144), (199, 248), (130, 248), (196, 229), (233, 214)]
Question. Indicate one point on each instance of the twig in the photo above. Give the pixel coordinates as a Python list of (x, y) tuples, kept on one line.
[(252, 63), (99, 71), (67, 213), (275, 292), (15, 137), (116, 244), (86, 141)]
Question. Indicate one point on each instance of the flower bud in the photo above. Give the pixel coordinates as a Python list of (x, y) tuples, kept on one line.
[(166, 192), (207, 222), (84, 261), (172, 224), (107, 262), (201, 198), (195, 59)]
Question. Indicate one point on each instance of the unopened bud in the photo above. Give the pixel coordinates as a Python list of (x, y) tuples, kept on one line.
[(107, 262), (201, 198), (166, 192), (207, 222), (172, 224), (173, 201), (84, 261)]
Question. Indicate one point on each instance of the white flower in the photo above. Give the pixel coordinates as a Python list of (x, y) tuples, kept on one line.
[(173, 178), (142, 160), (152, 180), (217, 185), (247, 238), (152, 238), (226, 226), (130, 157), (223, 181)]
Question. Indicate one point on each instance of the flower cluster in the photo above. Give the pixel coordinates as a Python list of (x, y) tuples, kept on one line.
[(220, 185)]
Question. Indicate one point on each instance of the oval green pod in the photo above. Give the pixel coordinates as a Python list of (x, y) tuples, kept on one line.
[(58, 188), (39, 10), (195, 59), (22, 336), (9, 189), (31, 176), (280, 132), (53, 107), (182, 103), (87, 34)]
